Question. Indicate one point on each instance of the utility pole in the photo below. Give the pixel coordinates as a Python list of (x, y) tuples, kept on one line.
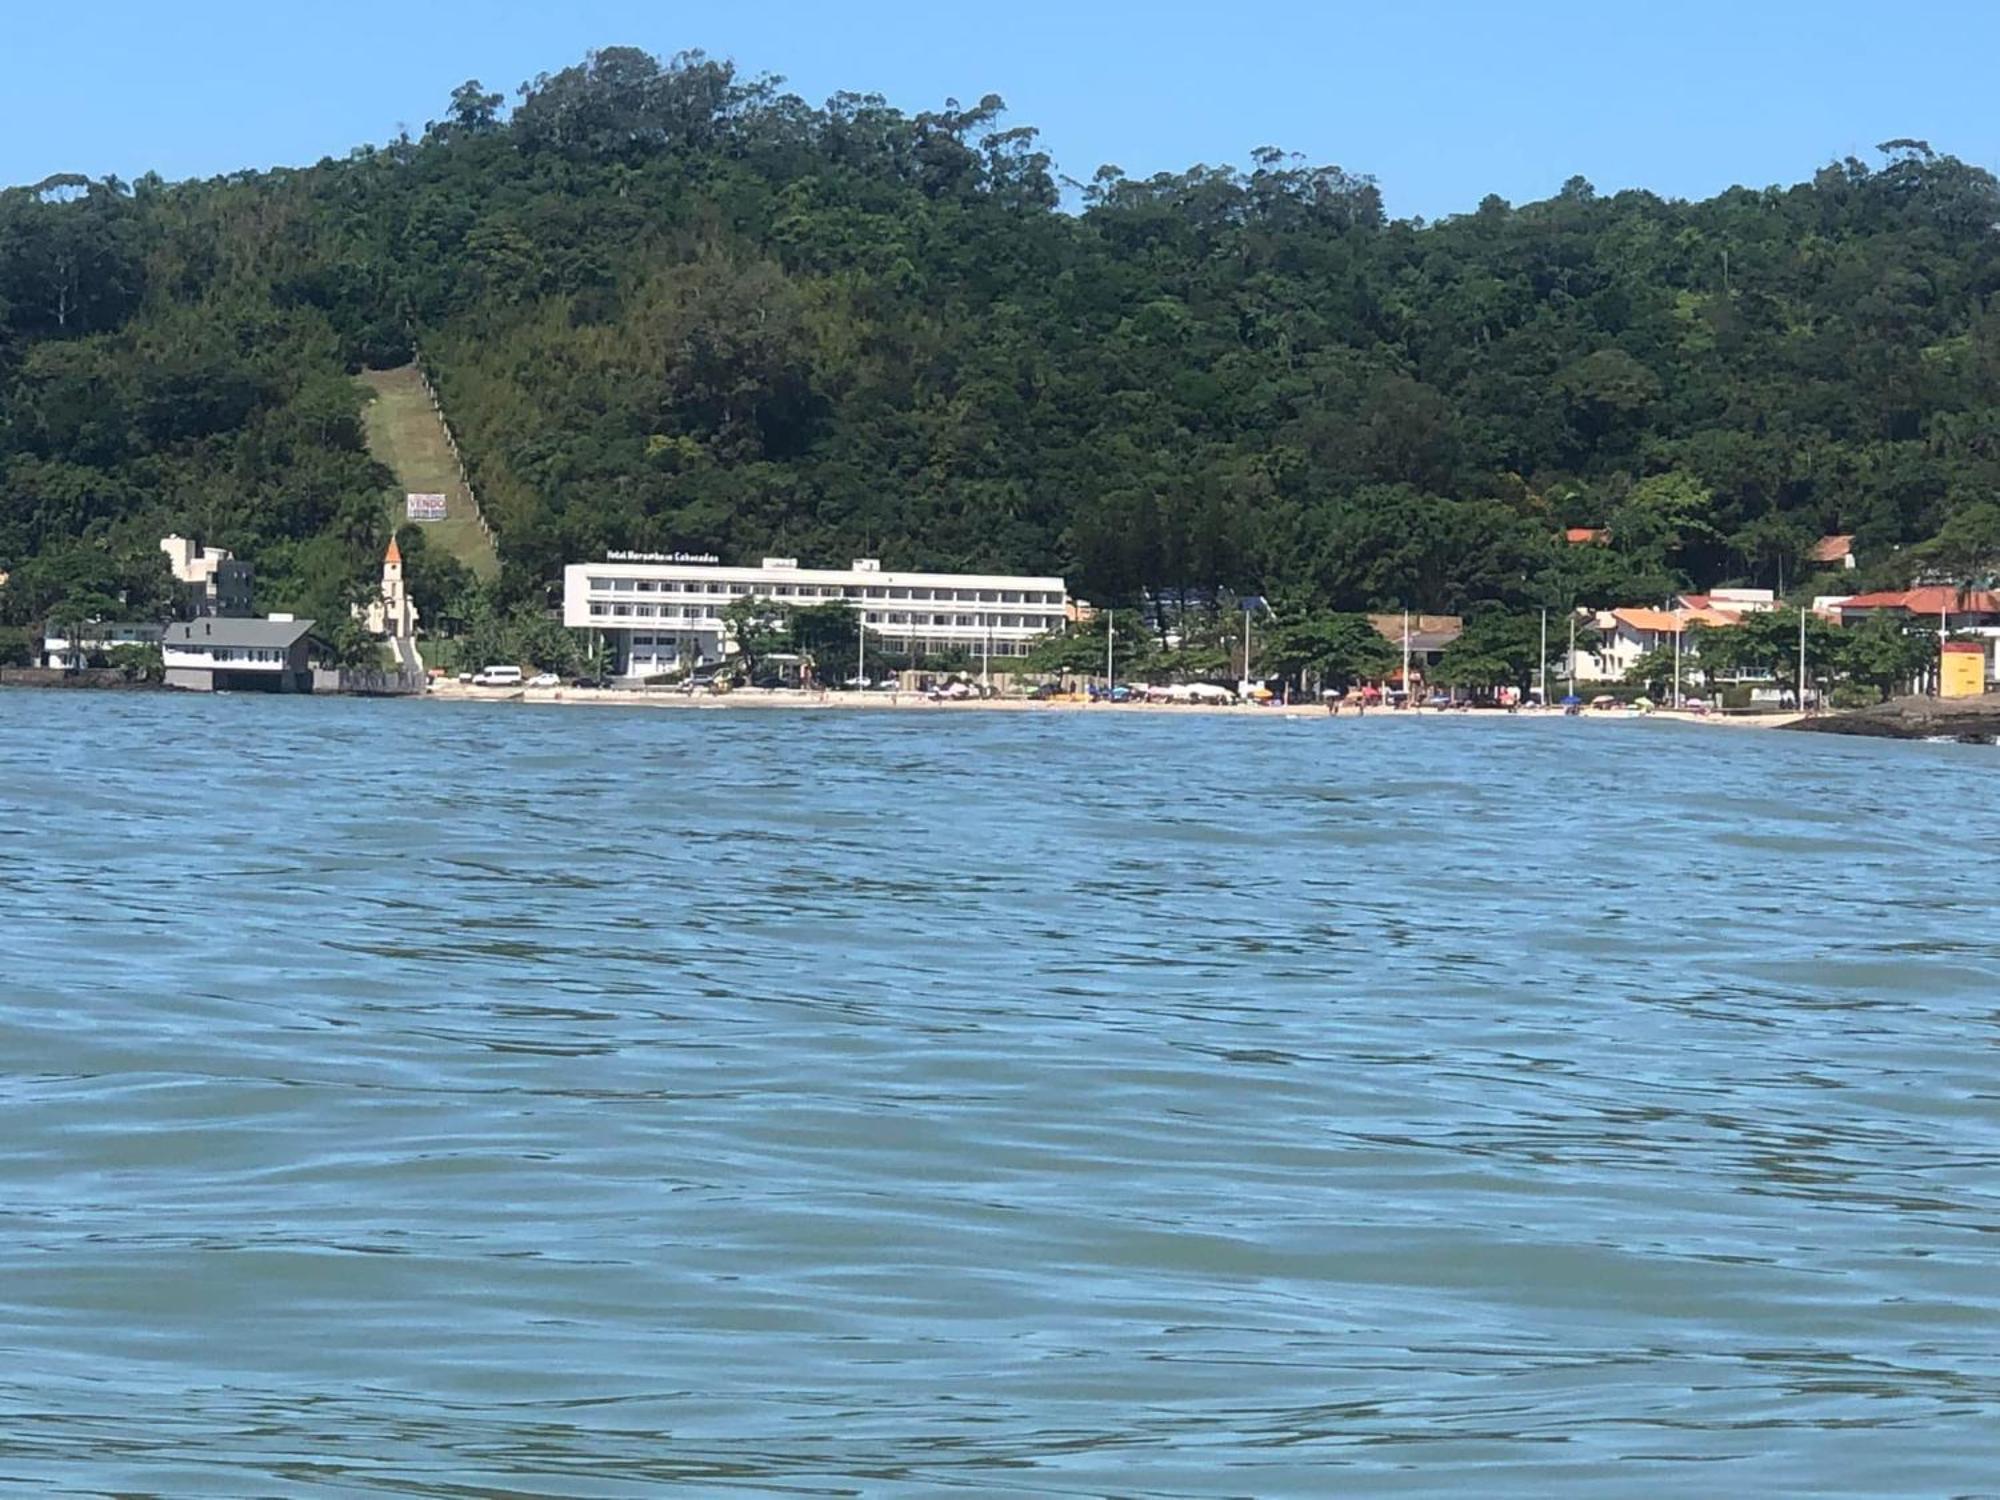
[(1678, 634), (1802, 658), (1544, 661), (1110, 640), (1406, 659), (1572, 653), (860, 648), (1246, 649)]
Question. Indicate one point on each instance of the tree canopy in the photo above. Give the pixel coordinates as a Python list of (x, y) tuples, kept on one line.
[(672, 307)]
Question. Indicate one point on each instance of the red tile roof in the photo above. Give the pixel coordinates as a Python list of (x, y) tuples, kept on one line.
[(1831, 548), (1578, 536), (1933, 599), (1648, 619)]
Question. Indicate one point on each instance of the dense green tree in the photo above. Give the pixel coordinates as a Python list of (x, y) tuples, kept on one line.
[(671, 306), (1318, 650), (1498, 648), (1885, 652)]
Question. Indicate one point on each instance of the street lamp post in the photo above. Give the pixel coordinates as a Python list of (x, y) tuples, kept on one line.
[(1543, 663)]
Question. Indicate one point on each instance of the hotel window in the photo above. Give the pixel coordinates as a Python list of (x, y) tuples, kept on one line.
[(1012, 596), (715, 588), (852, 591), (739, 589), (624, 585), (899, 593), (597, 609), (621, 609), (600, 583), (987, 596), (876, 593), (873, 618), (647, 611), (965, 620), (648, 586), (783, 591)]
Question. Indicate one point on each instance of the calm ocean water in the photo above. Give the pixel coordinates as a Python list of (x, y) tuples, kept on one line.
[(454, 1101)]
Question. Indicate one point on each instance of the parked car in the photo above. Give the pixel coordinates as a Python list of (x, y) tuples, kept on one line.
[(590, 682), (544, 680), (497, 677)]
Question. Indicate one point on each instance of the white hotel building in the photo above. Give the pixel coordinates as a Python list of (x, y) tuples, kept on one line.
[(661, 613)]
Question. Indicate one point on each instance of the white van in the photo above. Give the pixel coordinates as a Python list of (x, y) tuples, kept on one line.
[(497, 677)]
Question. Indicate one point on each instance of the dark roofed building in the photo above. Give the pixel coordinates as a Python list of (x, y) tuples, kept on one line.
[(1429, 634), (217, 653)]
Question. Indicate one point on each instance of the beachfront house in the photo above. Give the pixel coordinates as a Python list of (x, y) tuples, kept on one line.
[(1623, 637), (660, 614), (220, 654), (1427, 636), (1962, 614), (69, 649)]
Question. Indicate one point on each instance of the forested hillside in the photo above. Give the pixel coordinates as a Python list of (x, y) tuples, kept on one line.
[(668, 307)]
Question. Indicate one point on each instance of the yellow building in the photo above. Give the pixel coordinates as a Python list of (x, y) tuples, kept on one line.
[(1962, 669)]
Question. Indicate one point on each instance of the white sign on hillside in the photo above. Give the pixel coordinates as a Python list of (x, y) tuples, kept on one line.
[(424, 507)]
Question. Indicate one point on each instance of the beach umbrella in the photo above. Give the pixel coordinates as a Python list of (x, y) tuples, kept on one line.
[(1570, 700)]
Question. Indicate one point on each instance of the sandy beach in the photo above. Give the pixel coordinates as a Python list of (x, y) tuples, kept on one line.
[(845, 702)]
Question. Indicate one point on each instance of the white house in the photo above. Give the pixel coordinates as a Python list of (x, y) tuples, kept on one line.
[(1623, 636), (63, 653), (218, 652), (660, 613)]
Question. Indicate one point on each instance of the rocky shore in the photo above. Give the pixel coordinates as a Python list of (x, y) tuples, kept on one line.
[(1971, 719)]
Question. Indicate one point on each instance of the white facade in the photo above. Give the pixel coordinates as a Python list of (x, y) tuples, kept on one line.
[(64, 654), (1624, 636), (191, 563), (659, 615)]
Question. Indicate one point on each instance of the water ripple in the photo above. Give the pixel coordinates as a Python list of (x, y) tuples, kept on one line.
[(412, 1100)]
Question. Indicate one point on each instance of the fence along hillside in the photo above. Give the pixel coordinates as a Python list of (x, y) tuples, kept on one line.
[(408, 432)]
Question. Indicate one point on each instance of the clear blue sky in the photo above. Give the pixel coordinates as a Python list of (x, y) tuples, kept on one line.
[(1442, 100)]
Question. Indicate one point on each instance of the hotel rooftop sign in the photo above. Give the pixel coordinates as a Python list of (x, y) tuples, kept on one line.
[(692, 559)]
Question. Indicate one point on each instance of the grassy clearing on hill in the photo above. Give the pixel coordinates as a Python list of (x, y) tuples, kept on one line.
[(405, 434)]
